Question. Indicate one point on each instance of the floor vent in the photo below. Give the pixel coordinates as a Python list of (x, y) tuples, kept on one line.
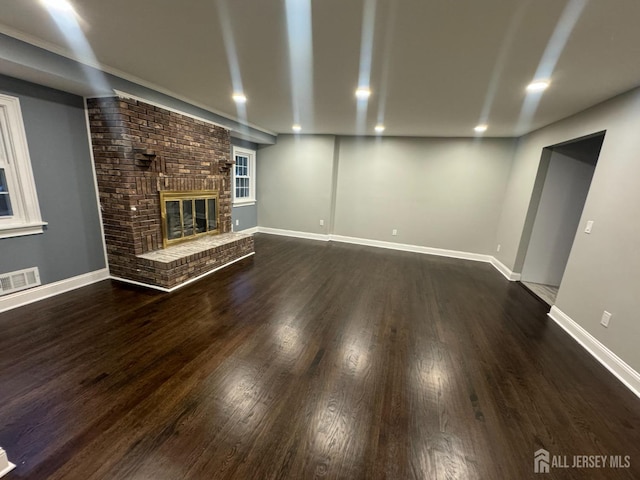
[(20, 280)]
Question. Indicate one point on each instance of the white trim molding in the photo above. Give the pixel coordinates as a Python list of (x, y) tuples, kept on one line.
[(5, 465), (183, 284), (292, 233), (618, 367), (250, 176), (25, 217), (412, 248), (25, 297), (504, 270), (477, 257), (249, 231), (20, 230)]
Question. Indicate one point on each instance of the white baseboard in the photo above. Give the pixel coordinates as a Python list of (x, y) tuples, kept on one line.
[(141, 284), (478, 257), (412, 248), (382, 244), (293, 233), (36, 294), (10, 466), (191, 280), (249, 231), (627, 375), (502, 268), (5, 465)]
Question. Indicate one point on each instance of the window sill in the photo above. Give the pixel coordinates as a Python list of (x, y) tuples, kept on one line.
[(21, 229), (246, 203)]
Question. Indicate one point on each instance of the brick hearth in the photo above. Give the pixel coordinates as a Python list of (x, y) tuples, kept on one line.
[(140, 150), (180, 263)]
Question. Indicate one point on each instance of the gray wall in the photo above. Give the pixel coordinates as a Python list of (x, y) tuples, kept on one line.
[(441, 193), (245, 216), (564, 193), (59, 148), (294, 185), (602, 271)]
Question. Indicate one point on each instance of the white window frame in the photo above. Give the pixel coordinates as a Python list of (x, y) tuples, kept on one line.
[(251, 155), (16, 162)]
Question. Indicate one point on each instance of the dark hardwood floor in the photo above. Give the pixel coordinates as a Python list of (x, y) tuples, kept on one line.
[(309, 360)]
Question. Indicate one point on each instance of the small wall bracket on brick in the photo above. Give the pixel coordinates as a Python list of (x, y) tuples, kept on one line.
[(144, 157), (226, 166)]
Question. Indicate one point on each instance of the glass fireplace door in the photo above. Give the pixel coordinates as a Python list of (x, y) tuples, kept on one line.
[(186, 215)]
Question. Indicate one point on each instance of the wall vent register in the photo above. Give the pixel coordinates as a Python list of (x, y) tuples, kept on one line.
[(187, 215), (19, 280)]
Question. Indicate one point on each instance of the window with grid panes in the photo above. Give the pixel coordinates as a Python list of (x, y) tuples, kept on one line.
[(5, 199), (19, 209), (243, 176)]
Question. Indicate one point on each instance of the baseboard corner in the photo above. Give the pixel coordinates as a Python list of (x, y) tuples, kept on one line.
[(5, 465), (504, 270), (618, 367)]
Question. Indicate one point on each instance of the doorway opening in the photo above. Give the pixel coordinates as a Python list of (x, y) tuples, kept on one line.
[(561, 190)]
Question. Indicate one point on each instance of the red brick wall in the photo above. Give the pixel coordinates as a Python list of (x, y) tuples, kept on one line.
[(190, 155)]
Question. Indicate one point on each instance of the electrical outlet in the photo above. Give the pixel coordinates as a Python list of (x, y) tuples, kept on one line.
[(499, 247), (322, 223), (606, 317), (237, 222), (589, 227), (394, 232)]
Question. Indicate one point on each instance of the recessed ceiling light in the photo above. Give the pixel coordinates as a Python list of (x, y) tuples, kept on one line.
[(62, 5), (379, 128), (538, 85), (239, 98), (296, 128), (481, 128), (363, 93)]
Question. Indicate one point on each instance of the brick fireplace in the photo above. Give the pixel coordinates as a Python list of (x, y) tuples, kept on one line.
[(141, 150)]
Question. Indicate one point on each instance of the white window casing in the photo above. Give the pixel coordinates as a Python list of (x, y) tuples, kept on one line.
[(24, 217), (244, 176)]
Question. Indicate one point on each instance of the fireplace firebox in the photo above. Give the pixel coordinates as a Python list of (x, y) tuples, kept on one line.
[(187, 215)]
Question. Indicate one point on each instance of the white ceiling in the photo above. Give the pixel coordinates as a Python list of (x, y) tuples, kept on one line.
[(432, 65)]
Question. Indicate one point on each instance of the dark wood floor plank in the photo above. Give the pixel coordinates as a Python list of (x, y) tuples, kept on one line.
[(309, 360)]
